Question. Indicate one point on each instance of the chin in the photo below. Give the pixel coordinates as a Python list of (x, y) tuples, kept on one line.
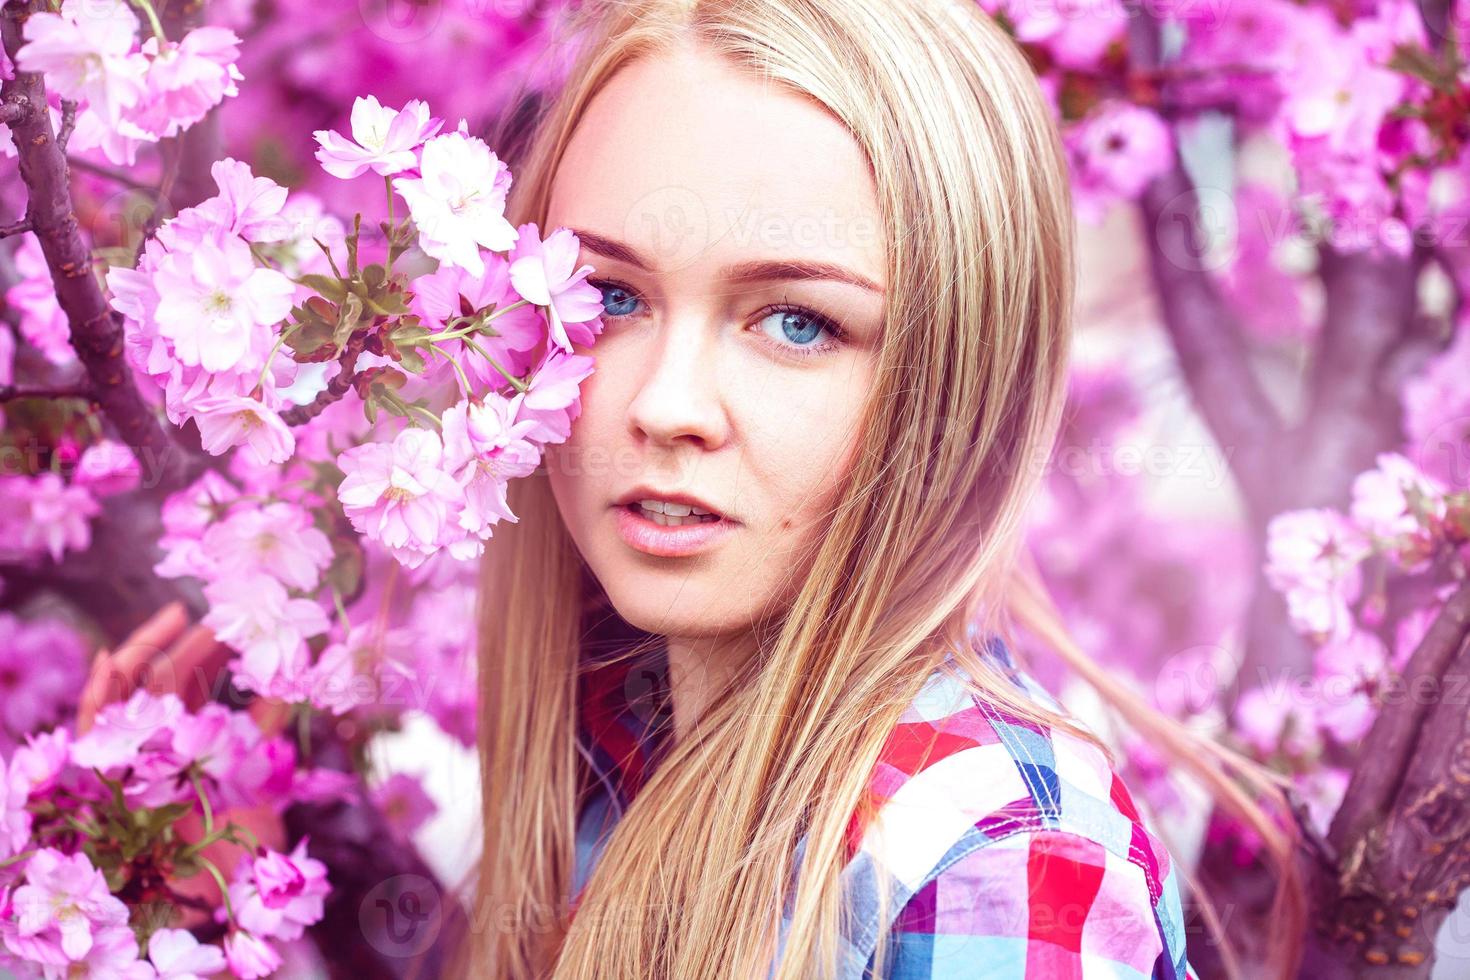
[(669, 603)]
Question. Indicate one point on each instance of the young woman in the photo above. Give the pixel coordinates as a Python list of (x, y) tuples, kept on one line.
[(747, 706)]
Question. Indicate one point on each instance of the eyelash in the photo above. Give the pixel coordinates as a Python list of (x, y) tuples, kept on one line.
[(838, 334)]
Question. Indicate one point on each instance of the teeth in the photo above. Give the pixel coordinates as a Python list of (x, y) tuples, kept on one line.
[(670, 514)]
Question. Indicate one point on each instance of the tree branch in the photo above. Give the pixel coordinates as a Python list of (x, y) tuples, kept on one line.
[(1392, 740), (336, 388), (1403, 830), (10, 393), (15, 228), (1206, 335), (96, 330), (1352, 418)]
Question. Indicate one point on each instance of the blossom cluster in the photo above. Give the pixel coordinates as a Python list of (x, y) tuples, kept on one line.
[(87, 822), (1319, 559), (128, 92), (1369, 106)]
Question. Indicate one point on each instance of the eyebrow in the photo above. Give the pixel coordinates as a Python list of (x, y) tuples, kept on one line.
[(759, 270)]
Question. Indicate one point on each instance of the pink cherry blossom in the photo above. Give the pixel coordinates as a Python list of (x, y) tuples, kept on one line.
[(186, 79), (33, 297), (1437, 411), (1074, 32), (487, 445), (42, 666), (113, 956), (246, 205), (87, 53), (37, 764), (449, 291), (383, 139), (45, 515), (1314, 557), (227, 421), (546, 273), (1269, 717), (121, 729), (277, 539), (1323, 790), (257, 617), (1360, 656), (352, 673), (15, 820), (458, 202), (404, 804), (217, 306), (552, 398), (186, 514), (276, 896), (1397, 501), (61, 909), (1410, 632), (107, 467), (250, 957), (398, 493), (1116, 151), (119, 141), (177, 955)]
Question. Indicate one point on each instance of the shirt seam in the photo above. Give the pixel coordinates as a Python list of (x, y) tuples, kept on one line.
[(1024, 824)]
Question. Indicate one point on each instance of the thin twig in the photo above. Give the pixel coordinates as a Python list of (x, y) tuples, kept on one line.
[(115, 175), (96, 329), (10, 393), (336, 388), (15, 228), (68, 123)]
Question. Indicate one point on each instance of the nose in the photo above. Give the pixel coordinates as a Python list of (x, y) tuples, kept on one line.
[(679, 397)]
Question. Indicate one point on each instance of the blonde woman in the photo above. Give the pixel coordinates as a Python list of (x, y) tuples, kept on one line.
[(747, 705)]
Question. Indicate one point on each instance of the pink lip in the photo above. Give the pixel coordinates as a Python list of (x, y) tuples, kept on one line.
[(669, 542)]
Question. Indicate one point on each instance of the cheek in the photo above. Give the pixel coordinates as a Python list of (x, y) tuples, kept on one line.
[(806, 450)]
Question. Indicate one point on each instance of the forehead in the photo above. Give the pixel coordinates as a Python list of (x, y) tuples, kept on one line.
[(693, 162)]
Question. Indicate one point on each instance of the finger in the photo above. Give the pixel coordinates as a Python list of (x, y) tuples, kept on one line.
[(94, 692), (270, 715), (197, 662), (153, 637)]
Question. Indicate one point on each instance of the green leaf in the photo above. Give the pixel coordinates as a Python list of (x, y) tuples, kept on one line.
[(313, 332), (329, 287), (411, 361), (1411, 59), (400, 243), (408, 332), (349, 314)]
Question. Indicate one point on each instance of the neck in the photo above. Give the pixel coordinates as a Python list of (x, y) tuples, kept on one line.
[(699, 668)]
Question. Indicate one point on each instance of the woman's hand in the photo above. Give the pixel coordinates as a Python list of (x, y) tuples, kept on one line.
[(163, 657)]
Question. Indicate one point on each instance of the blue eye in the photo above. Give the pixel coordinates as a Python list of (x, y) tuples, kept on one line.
[(795, 327), (789, 328), (616, 300)]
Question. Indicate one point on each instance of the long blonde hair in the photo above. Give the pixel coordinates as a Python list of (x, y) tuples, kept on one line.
[(923, 544)]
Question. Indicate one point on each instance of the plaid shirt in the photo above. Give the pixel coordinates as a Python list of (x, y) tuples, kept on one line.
[(1011, 851)]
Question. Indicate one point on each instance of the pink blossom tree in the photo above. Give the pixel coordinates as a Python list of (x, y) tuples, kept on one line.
[(272, 350)]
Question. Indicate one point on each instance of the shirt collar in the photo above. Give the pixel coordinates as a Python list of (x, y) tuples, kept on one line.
[(626, 714)]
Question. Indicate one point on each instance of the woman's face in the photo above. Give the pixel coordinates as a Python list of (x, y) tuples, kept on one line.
[(735, 233)]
